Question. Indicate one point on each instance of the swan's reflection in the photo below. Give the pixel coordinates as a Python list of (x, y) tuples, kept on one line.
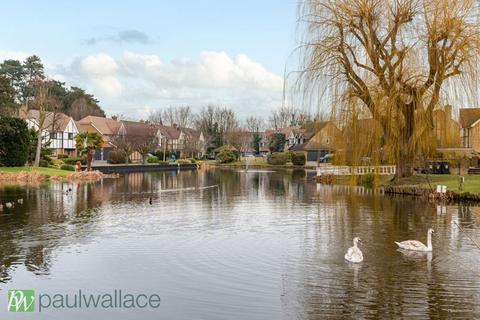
[(355, 267), (418, 256)]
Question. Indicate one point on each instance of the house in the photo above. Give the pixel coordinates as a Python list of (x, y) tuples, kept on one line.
[(447, 130), (194, 143), (325, 141), (106, 127), (58, 131), (295, 136), (470, 128), (138, 132), (185, 141)]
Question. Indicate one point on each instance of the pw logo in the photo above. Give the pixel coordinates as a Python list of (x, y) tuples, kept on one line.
[(21, 300)]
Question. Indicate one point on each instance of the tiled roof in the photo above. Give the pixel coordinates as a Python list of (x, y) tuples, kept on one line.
[(139, 129), (59, 120), (170, 132), (469, 116), (105, 126), (86, 127), (192, 133)]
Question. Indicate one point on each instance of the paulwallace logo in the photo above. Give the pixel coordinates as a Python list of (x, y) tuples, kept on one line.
[(21, 300)]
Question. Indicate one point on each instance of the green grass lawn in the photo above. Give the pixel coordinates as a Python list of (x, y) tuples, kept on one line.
[(472, 182), (45, 171)]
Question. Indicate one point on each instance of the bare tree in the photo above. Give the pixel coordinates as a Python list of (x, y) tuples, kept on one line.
[(285, 117), (216, 123), (145, 144), (124, 143), (155, 117), (254, 124), (179, 115), (46, 104), (399, 58)]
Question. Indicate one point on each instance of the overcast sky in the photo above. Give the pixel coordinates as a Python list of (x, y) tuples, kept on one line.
[(137, 56)]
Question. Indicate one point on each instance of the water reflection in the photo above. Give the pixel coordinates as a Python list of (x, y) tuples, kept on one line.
[(263, 245)]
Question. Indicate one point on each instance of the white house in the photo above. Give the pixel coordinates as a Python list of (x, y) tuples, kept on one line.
[(58, 131)]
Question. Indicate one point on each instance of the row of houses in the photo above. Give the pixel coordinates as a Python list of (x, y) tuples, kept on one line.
[(321, 140), (59, 131), (317, 141)]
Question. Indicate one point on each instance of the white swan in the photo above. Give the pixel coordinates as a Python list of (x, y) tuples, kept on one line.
[(415, 245), (354, 254)]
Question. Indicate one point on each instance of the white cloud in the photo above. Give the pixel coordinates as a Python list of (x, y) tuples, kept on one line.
[(101, 70), (131, 82)]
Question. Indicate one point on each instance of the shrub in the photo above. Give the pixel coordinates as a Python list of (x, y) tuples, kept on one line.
[(183, 161), (67, 167), (116, 157), (43, 163), (192, 160), (163, 163), (278, 159), (298, 158), (226, 156), (62, 156), (57, 162), (73, 161), (14, 142), (368, 180), (152, 159)]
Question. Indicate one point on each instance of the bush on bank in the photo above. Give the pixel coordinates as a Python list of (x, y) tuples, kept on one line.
[(226, 156), (152, 159), (298, 158), (277, 158), (117, 157), (67, 167)]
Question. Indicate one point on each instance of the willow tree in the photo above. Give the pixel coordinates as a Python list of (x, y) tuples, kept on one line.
[(400, 59)]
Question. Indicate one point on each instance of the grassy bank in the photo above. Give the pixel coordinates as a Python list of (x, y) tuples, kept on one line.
[(471, 184), (45, 171)]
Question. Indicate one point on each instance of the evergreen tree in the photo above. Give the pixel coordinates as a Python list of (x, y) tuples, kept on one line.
[(14, 142)]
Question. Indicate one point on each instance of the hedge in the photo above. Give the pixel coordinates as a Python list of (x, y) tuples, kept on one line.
[(67, 167), (116, 157), (73, 161), (298, 158), (152, 159), (278, 158)]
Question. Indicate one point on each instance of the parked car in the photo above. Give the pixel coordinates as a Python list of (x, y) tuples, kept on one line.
[(435, 167)]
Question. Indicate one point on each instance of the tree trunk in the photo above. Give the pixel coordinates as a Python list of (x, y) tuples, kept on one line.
[(89, 160), (38, 152), (406, 155)]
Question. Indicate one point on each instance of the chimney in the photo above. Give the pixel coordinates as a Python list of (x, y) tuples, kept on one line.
[(175, 126), (114, 118)]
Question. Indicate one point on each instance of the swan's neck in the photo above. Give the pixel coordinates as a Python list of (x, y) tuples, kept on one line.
[(355, 244), (429, 241)]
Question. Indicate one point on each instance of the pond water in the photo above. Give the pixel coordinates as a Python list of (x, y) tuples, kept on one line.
[(224, 244)]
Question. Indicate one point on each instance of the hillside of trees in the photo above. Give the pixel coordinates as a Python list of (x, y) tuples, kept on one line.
[(18, 82)]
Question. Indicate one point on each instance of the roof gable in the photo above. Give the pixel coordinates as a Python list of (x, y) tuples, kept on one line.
[(469, 116)]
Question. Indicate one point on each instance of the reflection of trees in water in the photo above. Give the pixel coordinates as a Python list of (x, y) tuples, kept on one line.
[(31, 230)]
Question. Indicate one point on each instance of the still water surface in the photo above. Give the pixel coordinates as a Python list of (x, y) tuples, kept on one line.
[(226, 244)]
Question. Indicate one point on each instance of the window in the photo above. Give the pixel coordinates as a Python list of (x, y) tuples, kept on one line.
[(70, 136), (52, 135)]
